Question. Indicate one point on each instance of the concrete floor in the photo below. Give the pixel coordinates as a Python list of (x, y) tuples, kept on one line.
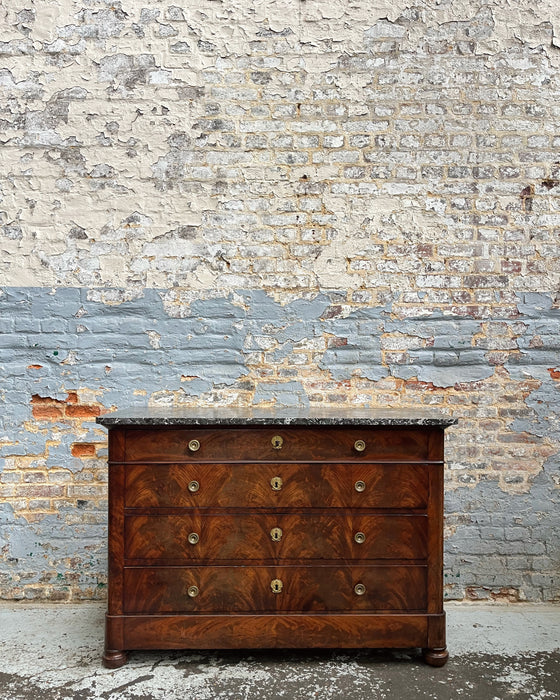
[(52, 652)]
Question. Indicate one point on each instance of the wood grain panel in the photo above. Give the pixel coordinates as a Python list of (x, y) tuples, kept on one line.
[(245, 589), (301, 444), (275, 631), (116, 539), (303, 485), (435, 540), (248, 537)]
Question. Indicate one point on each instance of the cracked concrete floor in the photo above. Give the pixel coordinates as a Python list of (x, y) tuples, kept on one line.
[(53, 652)]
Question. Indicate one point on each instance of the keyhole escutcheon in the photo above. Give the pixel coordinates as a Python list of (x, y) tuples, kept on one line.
[(277, 442)]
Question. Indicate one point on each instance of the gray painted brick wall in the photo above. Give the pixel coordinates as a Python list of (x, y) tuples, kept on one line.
[(501, 503)]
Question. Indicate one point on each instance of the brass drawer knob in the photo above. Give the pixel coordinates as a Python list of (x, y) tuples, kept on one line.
[(193, 486), (359, 445), (276, 483), (193, 538), (194, 445), (360, 486), (277, 442), (276, 534), (276, 585), (359, 589), (359, 537), (193, 591)]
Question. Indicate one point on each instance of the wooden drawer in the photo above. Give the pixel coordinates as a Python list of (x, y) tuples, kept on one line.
[(277, 485), (297, 444), (250, 537), (243, 589)]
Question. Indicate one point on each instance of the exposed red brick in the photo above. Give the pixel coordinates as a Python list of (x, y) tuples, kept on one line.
[(56, 595), (337, 342), (415, 385), (490, 425), (511, 266), (34, 366), (40, 491), (45, 408), (336, 398), (517, 438), (72, 397), (333, 311), (497, 357), (471, 593), (52, 413), (37, 400), (554, 373), (424, 250), (469, 386), (83, 449), (79, 411)]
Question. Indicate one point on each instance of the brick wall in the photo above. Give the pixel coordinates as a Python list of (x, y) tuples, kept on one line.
[(292, 202)]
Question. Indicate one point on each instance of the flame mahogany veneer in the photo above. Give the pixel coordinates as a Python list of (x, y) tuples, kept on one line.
[(309, 533)]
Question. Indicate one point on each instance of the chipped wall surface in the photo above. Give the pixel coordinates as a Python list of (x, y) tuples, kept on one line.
[(296, 202)]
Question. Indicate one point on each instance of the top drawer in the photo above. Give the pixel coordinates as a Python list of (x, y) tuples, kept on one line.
[(279, 443)]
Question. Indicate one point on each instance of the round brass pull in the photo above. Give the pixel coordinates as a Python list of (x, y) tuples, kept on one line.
[(193, 538), (193, 591), (276, 483), (359, 589), (194, 445), (360, 486), (359, 445), (359, 537), (276, 585), (193, 486), (277, 442), (276, 534)]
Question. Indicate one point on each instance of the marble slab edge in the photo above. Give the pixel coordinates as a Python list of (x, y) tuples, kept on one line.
[(331, 417)]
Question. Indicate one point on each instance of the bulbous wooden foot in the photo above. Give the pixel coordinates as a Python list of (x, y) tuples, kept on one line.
[(436, 657), (114, 659)]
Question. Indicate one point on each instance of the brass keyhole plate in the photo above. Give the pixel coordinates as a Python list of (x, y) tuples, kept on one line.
[(276, 585), (277, 442), (276, 483), (276, 534)]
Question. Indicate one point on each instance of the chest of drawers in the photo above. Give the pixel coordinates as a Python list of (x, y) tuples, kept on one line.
[(267, 530)]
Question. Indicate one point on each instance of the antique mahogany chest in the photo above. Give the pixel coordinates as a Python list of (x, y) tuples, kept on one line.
[(275, 530)]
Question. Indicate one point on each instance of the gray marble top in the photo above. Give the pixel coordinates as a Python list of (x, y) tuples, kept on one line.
[(162, 416)]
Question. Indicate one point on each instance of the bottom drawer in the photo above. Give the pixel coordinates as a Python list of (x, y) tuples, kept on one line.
[(274, 588)]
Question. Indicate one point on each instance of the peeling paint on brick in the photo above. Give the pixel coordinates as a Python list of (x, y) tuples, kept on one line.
[(504, 553), (249, 349)]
